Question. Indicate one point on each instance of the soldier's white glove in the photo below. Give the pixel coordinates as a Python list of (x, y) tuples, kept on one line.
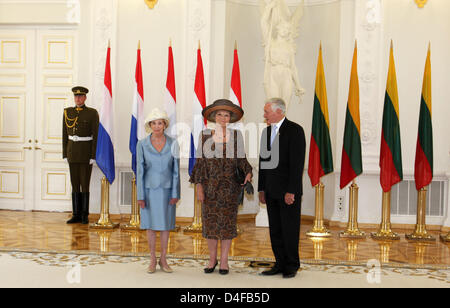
[(92, 161)]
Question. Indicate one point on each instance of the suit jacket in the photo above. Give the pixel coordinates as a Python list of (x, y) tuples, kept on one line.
[(281, 165), (85, 125), (157, 169)]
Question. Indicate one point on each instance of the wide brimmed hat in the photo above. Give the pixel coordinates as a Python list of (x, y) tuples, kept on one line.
[(156, 114), (223, 104)]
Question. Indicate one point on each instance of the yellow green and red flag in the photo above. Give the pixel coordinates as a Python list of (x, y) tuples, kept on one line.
[(351, 164), (320, 154), (391, 170), (423, 171)]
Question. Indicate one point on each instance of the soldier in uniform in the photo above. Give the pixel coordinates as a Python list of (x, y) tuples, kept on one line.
[(80, 127)]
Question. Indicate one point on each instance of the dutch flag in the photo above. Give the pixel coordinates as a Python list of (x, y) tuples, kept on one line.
[(171, 96), (137, 118), (198, 123), (105, 148)]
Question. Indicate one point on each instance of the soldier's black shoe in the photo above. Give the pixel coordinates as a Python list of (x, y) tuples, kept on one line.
[(85, 208), (76, 209)]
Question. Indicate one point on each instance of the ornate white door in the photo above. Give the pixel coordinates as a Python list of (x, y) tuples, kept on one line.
[(36, 76), (17, 108)]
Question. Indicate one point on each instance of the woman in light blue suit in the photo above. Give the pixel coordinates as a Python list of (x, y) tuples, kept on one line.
[(158, 184)]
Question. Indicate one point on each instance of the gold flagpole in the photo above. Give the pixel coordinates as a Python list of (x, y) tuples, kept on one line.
[(135, 219), (385, 232), (420, 233), (197, 223), (319, 229), (445, 238), (352, 227), (104, 222)]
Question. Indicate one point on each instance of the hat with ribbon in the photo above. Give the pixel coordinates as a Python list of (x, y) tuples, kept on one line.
[(223, 104), (156, 114)]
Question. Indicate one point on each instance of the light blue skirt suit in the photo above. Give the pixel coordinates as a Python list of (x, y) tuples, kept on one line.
[(157, 181)]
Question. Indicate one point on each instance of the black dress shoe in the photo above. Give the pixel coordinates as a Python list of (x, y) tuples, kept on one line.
[(209, 270), (289, 274), (273, 271), (223, 271)]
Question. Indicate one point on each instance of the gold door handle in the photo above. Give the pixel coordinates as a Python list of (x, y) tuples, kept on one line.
[(27, 148), (37, 148)]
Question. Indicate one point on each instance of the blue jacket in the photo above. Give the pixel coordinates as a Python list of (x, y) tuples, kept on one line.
[(157, 169)]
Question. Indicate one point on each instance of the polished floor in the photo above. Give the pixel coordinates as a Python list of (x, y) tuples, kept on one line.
[(40, 231)]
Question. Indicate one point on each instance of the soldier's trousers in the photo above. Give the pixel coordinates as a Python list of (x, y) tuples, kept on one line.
[(80, 176)]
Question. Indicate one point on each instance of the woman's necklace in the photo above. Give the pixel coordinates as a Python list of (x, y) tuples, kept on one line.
[(160, 140), (221, 137)]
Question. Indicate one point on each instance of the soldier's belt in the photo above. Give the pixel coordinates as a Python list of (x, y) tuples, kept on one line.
[(78, 139)]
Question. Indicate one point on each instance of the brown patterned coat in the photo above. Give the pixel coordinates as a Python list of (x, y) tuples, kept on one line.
[(215, 169)]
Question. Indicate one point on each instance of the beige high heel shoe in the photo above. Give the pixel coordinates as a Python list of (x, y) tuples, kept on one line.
[(165, 269), (151, 269)]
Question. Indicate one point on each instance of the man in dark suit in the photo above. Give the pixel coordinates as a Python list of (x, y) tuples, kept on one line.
[(281, 163), (80, 128)]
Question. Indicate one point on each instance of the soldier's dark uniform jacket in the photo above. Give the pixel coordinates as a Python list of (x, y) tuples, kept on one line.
[(79, 142), (80, 122)]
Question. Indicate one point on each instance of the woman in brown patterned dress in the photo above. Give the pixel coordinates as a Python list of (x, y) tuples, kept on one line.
[(219, 153)]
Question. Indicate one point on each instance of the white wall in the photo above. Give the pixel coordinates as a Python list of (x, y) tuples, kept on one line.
[(219, 23)]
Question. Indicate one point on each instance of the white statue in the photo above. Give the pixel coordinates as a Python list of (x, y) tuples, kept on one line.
[(280, 28)]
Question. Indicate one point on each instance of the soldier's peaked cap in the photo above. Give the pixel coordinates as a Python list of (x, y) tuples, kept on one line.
[(80, 91)]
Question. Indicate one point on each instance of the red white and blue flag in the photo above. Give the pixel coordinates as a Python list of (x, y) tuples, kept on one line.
[(137, 117), (105, 148), (170, 96), (235, 91), (198, 123)]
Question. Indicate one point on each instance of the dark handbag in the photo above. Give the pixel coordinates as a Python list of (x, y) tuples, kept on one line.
[(248, 187)]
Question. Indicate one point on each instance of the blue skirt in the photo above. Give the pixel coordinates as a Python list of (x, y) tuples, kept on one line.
[(158, 214)]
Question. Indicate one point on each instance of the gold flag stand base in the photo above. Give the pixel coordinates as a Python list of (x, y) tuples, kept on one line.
[(319, 229), (194, 228), (445, 238), (385, 232), (104, 222), (420, 233), (135, 220), (353, 231), (176, 230), (196, 225)]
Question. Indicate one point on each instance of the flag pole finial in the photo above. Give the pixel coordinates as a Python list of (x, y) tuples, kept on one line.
[(199, 44), (109, 43), (235, 44), (139, 44), (170, 42)]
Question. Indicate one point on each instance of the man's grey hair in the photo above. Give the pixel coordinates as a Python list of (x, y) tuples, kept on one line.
[(277, 103)]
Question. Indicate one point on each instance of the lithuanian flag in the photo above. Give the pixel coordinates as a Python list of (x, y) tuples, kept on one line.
[(351, 165), (320, 156), (391, 151), (423, 172)]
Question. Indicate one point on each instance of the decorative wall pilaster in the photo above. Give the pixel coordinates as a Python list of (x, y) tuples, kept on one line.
[(369, 33), (104, 29)]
